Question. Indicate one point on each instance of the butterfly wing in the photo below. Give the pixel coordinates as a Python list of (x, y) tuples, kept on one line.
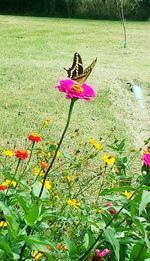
[(76, 68), (82, 78)]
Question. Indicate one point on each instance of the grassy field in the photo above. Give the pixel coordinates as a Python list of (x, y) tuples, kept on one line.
[(33, 53)]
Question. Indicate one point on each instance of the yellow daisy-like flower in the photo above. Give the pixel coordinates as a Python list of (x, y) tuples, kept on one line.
[(108, 159), (37, 255), (3, 223), (37, 171), (58, 154), (96, 145), (73, 203), (7, 182), (47, 185), (128, 194), (8, 153), (46, 122)]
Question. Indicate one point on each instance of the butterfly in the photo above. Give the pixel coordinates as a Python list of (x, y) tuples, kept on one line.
[(76, 72)]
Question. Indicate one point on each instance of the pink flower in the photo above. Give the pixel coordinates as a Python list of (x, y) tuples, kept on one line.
[(99, 254), (146, 159), (108, 204), (76, 90)]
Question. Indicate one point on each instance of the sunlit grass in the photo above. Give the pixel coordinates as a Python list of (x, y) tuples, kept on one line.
[(34, 52)]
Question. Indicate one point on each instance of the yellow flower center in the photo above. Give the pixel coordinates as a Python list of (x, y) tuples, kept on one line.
[(77, 88)]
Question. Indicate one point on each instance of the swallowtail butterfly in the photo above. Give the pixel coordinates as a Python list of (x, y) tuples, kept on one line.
[(76, 72)]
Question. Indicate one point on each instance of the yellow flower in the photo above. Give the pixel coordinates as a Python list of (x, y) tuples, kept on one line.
[(73, 203), (117, 171), (128, 194), (69, 178), (3, 223), (7, 182), (58, 154), (8, 153), (99, 211), (46, 122), (37, 255), (37, 171), (110, 160), (96, 145), (47, 184)]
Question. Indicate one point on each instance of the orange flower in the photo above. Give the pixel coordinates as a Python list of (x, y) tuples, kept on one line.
[(44, 165), (2, 188), (34, 137), (21, 154)]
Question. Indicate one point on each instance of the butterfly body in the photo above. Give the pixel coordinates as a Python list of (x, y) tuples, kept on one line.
[(76, 72)]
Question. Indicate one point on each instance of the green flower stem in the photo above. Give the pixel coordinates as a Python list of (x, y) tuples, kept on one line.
[(59, 144), (29, 159), (14, 175), (108, 224), (49, 168)]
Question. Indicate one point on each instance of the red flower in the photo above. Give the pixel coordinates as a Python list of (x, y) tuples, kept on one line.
[(44, 165), (21, 154), (2, 188), (34, 137), (112, 211)]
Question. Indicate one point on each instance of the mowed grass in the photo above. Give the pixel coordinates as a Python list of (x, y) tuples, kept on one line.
[(33, 53)]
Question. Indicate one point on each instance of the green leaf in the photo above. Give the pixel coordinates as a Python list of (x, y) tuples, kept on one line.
[(110, 237), (138, 252), (11, 219), (88, 239), (38, 243), (36, 190), (71, 245), (52, 147), (32, 214), (5, 247), (144, 201), (139, 225), (22, 201)]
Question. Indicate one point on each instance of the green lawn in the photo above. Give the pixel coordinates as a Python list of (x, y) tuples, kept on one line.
[(33, 53)]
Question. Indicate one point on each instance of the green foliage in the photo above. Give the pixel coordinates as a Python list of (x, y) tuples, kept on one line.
[(79, 8), (91, 201)]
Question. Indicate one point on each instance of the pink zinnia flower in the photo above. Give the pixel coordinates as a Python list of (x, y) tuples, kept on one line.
[(146, 159), (108, 204), (99, 254), (76, 90)]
